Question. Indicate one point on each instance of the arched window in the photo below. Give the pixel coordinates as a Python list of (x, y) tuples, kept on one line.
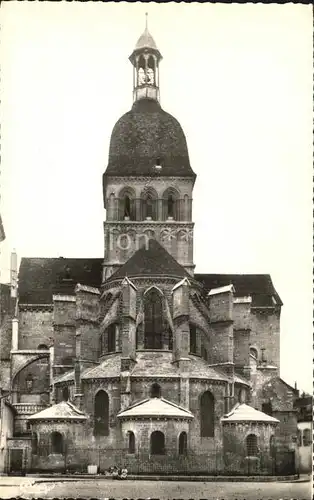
[(193, 339), (148, 207), (170, 206), (149, 204), (183, 443), (111, 335), (170, 202), (131, 444), (65, 394), (42, 347), (155, 391), (127, 206), (153, 326), (101, 414), (151, 71), (141, 79), (126, 203), (253, 352), (267, 408), (272, 446), (251, 445), (207, 409), (157, 443), (56, 440), (34, 444)]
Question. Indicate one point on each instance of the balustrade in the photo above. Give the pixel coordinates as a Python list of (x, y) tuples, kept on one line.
[(28, 408)]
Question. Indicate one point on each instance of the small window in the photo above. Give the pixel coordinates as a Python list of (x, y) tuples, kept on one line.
[(204, 353), (56, 443), (242, 396), (131, 445), (251, 446), (307, 438), (157, 443), (183, 439), (155, 391)]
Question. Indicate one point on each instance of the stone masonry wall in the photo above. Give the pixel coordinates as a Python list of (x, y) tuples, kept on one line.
[(35, 328)]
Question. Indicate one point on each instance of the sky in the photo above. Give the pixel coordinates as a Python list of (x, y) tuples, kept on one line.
[(239, 80)]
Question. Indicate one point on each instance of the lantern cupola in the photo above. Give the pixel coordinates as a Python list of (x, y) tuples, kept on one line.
[(145, 59)]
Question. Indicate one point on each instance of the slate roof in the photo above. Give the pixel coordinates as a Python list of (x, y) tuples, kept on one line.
[(153, 261), (110, 367), (153, 364), (40, 278), (65, 377), (61, 411), (245, 413), (143, 135), (146, 41), (156, 407), (259, 286)]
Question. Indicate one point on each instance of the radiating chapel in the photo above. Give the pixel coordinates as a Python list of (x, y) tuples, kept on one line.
[(134, 359)]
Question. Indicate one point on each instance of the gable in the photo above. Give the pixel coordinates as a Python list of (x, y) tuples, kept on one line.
[(153, 261)]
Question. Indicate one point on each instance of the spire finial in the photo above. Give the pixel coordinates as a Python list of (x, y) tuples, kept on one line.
[(146, 21)]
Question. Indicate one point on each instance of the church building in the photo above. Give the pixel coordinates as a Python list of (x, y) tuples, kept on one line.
[(134, 359)]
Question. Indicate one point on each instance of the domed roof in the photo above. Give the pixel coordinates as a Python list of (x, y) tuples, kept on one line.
[(144, 135)]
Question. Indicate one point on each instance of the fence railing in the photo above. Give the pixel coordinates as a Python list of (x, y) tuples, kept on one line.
[(76, 461)]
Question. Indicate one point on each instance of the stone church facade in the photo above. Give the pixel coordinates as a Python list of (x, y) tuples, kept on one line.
[(134, 358)]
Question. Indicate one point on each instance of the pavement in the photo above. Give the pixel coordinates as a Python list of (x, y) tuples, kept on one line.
[(60, 487)]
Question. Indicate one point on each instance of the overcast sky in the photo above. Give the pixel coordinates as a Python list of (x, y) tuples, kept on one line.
[(239, 80)]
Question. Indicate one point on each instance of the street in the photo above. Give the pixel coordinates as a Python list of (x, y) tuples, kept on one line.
[(38, 488)]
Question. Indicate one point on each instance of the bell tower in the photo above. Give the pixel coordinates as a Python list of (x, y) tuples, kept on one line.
[(148, 183), (145, 59)]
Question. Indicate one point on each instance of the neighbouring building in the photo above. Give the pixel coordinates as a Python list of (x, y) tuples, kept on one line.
[(304, 407), (134, 358)]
